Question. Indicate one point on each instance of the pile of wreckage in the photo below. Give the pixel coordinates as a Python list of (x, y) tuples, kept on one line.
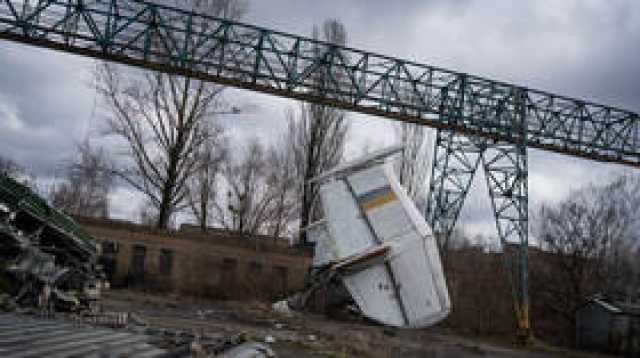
[(47, 261), (50, 284)]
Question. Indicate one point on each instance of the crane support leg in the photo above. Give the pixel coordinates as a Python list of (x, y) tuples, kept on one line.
[(455, 162), (505, 168)]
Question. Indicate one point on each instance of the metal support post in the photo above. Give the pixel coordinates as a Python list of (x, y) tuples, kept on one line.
[(455, 162)]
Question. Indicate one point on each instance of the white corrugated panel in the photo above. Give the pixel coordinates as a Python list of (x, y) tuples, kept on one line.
[(367, 208), (368, 179), (419, 290), (388, 220), (418, 266), (344, 221), (442, 306), (374, 294)]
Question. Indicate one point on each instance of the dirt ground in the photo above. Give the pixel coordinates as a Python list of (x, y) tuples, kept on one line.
[(310, 335)]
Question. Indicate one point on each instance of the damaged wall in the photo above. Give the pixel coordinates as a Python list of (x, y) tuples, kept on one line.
[(218, 264)]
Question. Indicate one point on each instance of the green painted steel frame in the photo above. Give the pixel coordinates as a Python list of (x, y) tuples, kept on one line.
[(455, 163), (172, 40), (456, 160), (18, 197)]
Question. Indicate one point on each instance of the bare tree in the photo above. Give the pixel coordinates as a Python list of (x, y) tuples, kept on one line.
[(281, 192), (586, 232), (261, 197), (147, 215), (163, 120), (203, 185), (415, 161), (623, 268), (317, 135), (86, 185), (246, 208)]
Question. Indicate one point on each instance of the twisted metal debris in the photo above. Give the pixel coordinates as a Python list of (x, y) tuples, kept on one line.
[(47, 261)]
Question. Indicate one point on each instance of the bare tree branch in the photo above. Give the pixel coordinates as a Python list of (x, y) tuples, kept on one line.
[(590, 233), (164, 119), (87, 184)]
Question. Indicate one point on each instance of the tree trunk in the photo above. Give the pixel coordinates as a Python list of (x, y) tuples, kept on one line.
[(166, 205), (304, 217), (165, 208)]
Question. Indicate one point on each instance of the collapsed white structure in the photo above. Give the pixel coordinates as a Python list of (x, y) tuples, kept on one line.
[(374, 237)]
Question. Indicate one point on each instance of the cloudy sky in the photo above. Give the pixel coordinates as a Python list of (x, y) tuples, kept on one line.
[(580, 48)]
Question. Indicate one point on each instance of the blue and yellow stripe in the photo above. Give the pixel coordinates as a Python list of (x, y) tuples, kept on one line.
[(376, 197)]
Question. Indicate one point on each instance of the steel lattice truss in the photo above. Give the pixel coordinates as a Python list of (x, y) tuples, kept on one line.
[(456, 160), (455, 163), (176, 41)]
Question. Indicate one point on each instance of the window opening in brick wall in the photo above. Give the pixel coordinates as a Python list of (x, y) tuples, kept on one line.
[(282, 278), (229, 266), (137, 263), (166, 262), (108, 259)]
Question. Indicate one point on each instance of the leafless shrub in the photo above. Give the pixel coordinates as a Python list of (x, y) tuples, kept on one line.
[(86, 184)]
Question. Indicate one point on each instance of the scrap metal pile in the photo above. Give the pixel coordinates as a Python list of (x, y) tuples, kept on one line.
[(47, 261)]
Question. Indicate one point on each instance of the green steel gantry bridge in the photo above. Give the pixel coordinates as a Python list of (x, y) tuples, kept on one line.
[(478, 120)]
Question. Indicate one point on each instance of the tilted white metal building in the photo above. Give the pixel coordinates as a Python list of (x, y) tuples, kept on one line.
[(380, 245)]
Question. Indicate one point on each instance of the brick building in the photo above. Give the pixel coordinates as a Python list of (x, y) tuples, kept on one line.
[(217, 264), (225, 265)]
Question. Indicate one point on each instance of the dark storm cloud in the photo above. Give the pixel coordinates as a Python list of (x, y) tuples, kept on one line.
[(585, 49), (44, 105), (577, 48)]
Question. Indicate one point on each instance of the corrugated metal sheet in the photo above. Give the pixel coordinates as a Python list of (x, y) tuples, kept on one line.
[(348, 231), (23, 336), (366, 208), (373, 291)]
